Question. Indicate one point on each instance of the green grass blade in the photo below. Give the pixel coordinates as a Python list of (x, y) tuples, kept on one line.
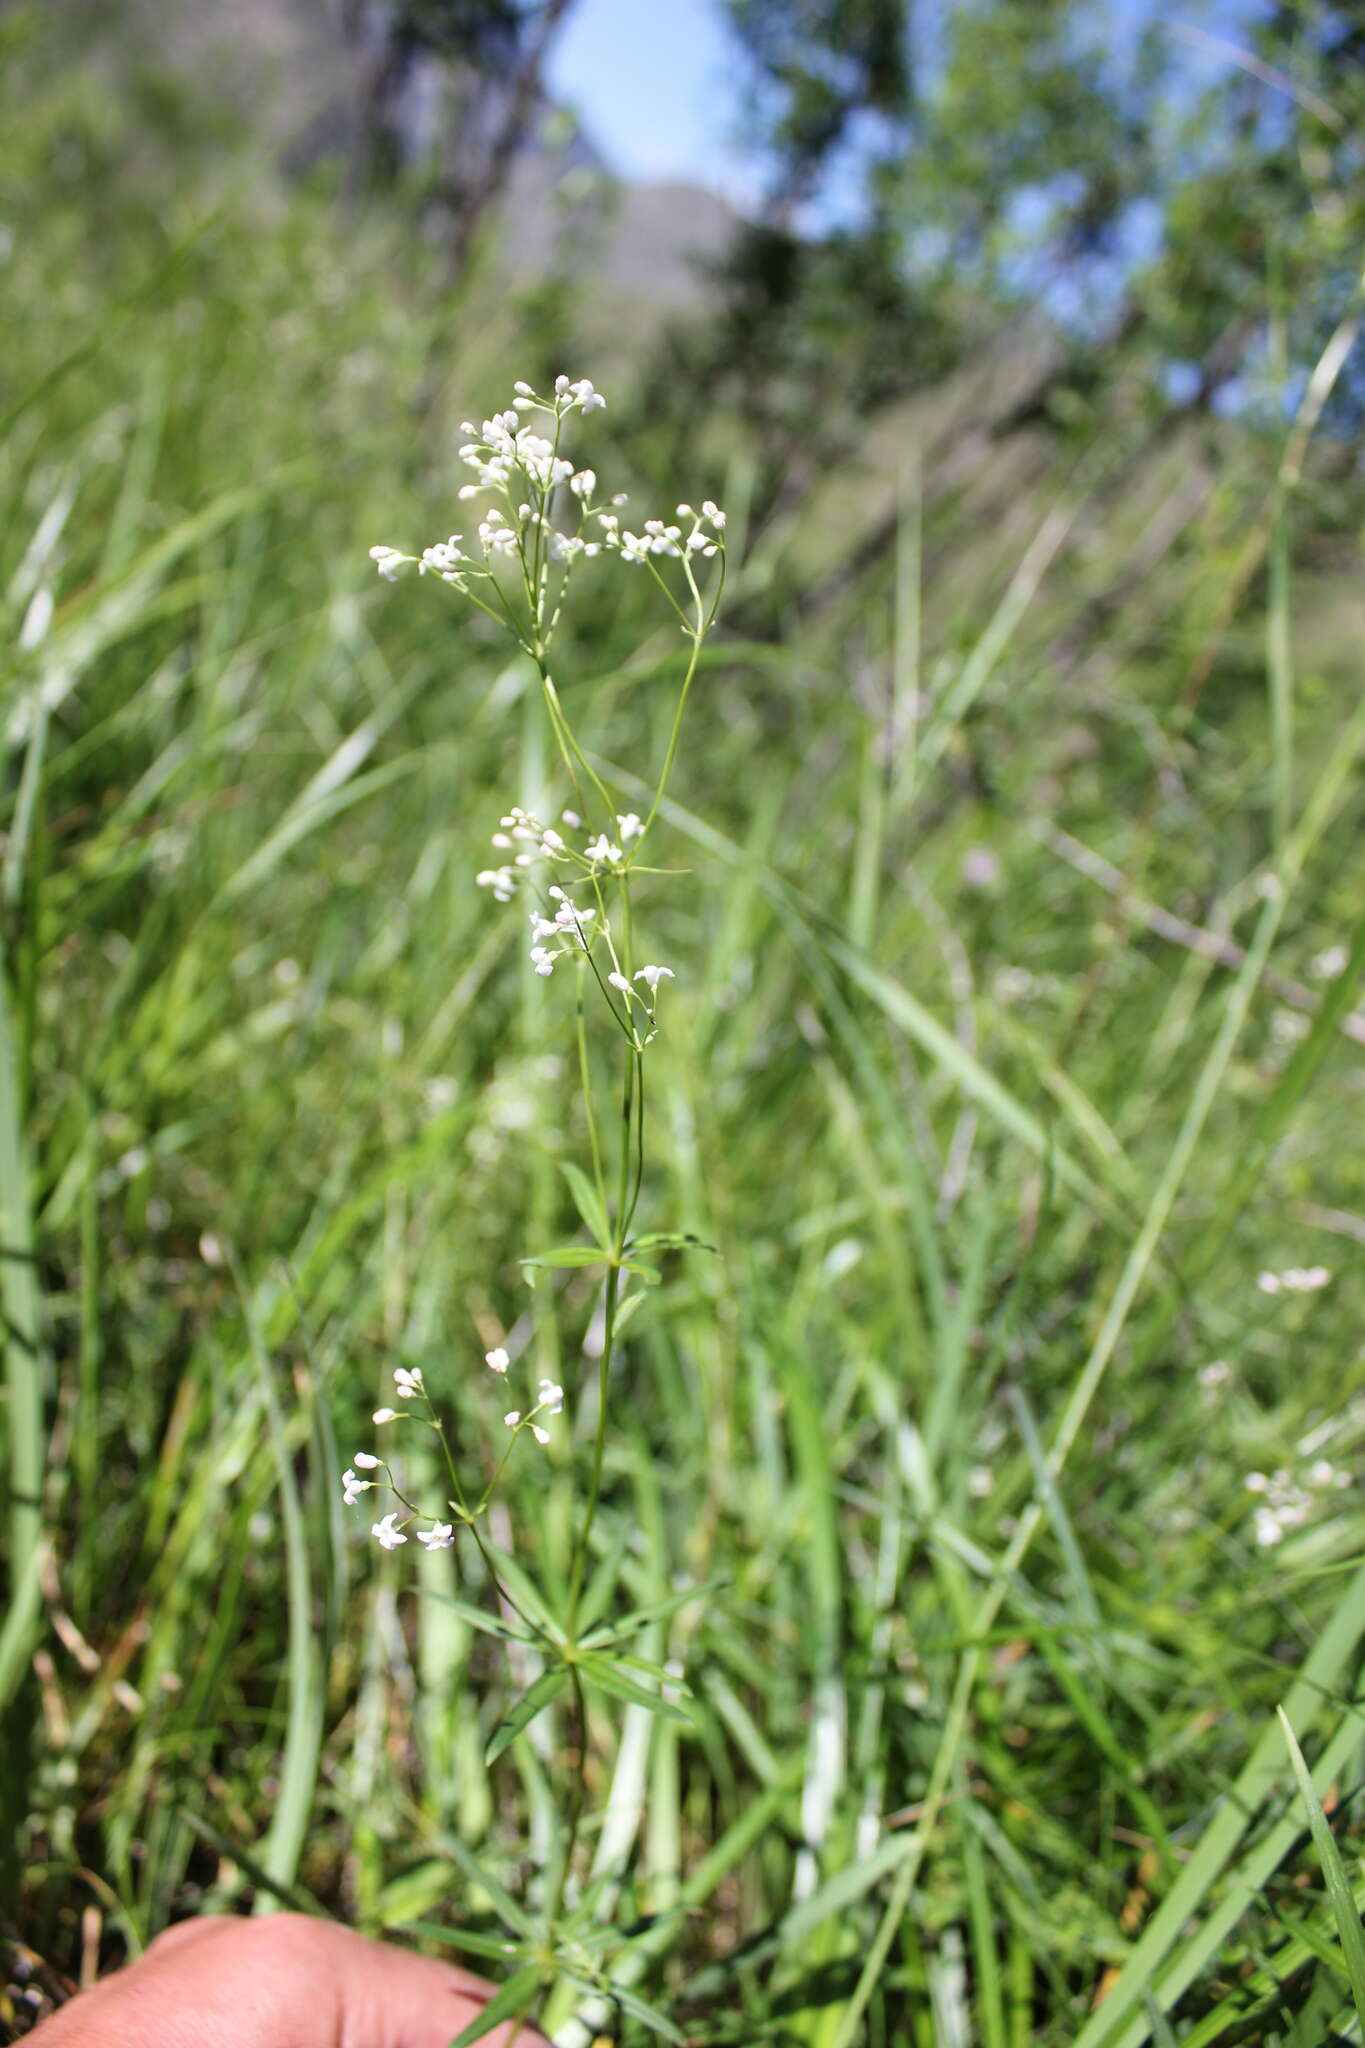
[(24, 1352), (512, 2002), (298, 1776), (1344, 1908), (524, 1709)]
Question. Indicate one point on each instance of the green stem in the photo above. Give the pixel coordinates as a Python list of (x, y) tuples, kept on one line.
[(613, 1289), (469, 1517), (580, 1554), (676, 733), (574, 757), (585, 1078), (577, 1799)]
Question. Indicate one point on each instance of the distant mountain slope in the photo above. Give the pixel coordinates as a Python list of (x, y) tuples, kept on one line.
[(289, 68)]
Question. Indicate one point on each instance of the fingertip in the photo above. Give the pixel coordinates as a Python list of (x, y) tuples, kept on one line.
[(187, 1933)]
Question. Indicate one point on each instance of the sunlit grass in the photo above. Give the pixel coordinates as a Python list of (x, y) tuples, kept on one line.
[(986, 1687)]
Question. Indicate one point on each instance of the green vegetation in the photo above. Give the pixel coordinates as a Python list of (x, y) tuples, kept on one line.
[(1013, 1039)]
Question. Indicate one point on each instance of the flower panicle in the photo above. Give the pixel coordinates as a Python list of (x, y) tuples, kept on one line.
[(518, 462)]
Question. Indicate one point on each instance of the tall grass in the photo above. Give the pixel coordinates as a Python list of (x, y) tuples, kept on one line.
[(985, 1744)]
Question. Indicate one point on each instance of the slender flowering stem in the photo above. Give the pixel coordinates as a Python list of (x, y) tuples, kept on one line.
[(542, 521)]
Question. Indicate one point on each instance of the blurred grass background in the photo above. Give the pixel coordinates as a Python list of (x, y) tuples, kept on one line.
[(994, 1068)]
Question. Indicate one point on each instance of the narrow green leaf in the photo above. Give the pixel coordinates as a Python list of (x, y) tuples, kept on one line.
[(509, 2003), (1333, 1870), (628, 2001), (525, 1592), (640, 1617), (477, 1617), (608, 1677), (290, 1899), (645, 1273), (23, 1336), (669, 1241), (588, 1202), (568, 1255), (283, 1845), (482, 1879), (496, 1947), (524, 1710)]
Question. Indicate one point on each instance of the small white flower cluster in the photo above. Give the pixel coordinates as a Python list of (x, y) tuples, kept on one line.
[(569, 925), (386, 1532), (526, 471), (522, 830), (659, 538), (572, 927), (1287, 1504), (1295, 1280), (651, 977), (549, 1399)]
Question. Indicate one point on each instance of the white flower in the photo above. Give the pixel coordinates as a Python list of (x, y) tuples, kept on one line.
[(389, 561), (652, 976), (385, 1415), (386, 1532), (496, 1360), (629, 827), (551, 1397), (551, 841), (634, 548), (1295, 1280), (1268, 1529), (543, 960), (443, 560), (542, 1436), (496, 539), (571, 818), (620, 981), (589, 399), (1328, 964), (439, 1537), (502, 881), (601, 848), (352, 1488), (584, 484), (711, 510), (523, 389), (408, 1382), (512, 1417), (367, 1461)]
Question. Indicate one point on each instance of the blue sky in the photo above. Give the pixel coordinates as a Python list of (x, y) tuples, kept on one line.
[(654, 80)]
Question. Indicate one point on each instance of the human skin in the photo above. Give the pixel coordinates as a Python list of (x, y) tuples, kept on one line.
[(282, 1981)]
